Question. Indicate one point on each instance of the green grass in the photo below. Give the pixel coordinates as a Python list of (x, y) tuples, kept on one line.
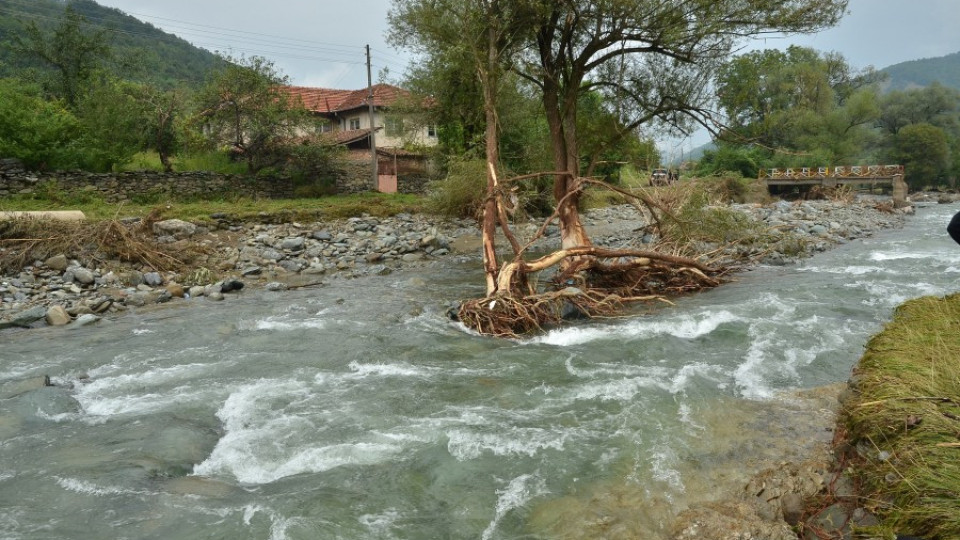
[(339, 206), (906, 420)]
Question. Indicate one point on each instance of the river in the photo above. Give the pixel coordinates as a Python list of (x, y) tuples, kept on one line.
[(357, 411)]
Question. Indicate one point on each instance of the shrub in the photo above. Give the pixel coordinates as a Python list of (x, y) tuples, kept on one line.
[(462, 192)]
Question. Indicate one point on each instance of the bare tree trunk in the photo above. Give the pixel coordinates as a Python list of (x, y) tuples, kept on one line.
[(489, 81), (566, 187)]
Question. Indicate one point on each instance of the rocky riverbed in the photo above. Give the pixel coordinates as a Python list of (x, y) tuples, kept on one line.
[(63, 289)]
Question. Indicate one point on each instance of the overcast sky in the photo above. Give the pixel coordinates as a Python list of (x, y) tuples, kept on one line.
[(320, 42)]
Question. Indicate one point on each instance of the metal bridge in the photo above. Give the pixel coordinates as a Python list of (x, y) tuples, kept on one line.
[(874, 175)]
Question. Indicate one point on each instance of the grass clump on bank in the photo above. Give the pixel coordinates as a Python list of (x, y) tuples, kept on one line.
[(904, 421)]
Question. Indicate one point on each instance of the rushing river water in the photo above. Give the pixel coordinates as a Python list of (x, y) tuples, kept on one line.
[(356, 411)]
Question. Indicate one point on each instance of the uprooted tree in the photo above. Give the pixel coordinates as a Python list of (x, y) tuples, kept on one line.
[(652, 60)]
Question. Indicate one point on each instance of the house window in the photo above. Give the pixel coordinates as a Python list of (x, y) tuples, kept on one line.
[(326, 127), (355, 123), (431, 131), (393, 126)]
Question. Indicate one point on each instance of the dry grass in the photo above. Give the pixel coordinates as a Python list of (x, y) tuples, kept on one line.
[(23, 241), (905, 421)]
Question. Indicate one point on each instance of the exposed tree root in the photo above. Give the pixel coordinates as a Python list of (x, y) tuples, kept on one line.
[(598, 284)]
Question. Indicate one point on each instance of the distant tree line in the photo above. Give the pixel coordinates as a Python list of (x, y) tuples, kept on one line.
[(800, 107), (73, 108)]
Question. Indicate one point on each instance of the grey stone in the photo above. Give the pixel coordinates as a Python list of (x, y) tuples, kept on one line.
[(79, 309), (83, 276), (373, 257), (28, 317), (85, 320), (380, 270), (57, 316), (271, 254), (275, 286), (251, 271), (57, 262), (289, 265), (293, 244), (131, 278), (412, 257), (215, 296), (174, 227), (153, 279), (196, 291), (323, 236)]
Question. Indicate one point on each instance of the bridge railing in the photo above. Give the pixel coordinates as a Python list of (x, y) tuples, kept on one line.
[(842, 171)]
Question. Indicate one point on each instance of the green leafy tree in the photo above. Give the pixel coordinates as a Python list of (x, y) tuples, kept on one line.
[(42, 134), (924, 151), (799, 101), (112, 122), (73, 49), (162, 112), (242, 108)]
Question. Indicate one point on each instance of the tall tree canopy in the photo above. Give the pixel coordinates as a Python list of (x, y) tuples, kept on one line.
[(651, 60), (243, 108), (798, 100)]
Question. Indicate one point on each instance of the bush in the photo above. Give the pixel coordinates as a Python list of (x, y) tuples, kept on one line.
[(42, 134), (462, 192)]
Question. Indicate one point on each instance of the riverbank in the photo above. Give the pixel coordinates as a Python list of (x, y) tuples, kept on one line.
[(227, 254), (891, 469)]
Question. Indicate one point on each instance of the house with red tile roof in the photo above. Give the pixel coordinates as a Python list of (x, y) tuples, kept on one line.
[(348, 116)]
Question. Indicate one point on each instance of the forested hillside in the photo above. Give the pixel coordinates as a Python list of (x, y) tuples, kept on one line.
[(924, 72), (140, 51)]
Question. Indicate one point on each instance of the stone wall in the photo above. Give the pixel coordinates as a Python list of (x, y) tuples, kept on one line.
[(353, 176), (349, 176), (125, 186)]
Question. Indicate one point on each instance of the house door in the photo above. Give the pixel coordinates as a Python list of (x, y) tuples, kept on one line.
[(387, 175)]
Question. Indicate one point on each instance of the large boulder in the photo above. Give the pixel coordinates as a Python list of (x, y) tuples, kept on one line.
[(176, 228)]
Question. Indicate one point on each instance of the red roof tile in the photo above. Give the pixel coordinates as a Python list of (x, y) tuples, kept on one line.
[(328, 100)]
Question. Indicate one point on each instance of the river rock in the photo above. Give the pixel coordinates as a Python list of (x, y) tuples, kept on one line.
[(85, 320), (153, 279), (57, 262), (57, 316), (196, 290), (231, 285), (27, 317), (289, 265), (293, 244), (275, 286), (412, 257), (215, 296), (131, 278), (251, 271), (323, 236), (82, 275), (270, 254), (176, 228)]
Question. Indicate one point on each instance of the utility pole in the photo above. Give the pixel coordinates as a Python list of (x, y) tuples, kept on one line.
[(373, 129)]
